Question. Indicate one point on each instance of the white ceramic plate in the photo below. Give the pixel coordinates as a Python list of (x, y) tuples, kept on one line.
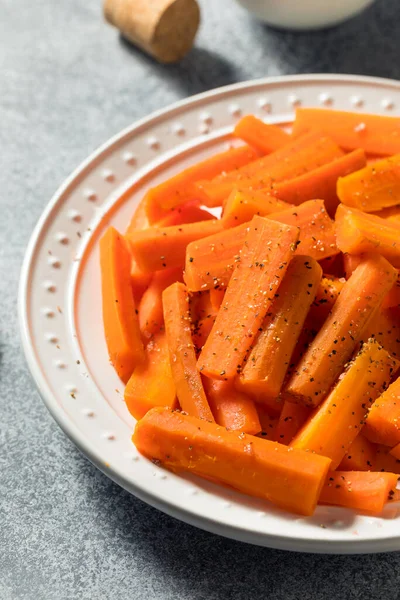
[(60, 307)]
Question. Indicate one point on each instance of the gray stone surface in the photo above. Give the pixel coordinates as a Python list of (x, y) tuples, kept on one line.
[(68, 82)]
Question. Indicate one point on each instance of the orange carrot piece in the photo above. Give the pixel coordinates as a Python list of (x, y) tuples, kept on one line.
[(177, 189), (361, 490), (216, 298), (187, 213), (385, 328), (317, 230), (261, 136), (361, 296), (120, 320), (392, 298), (139, 280), (210, 261), (327, 293), (158, 248), (374, 133), (351, 262), (383, 422), (290, 479), (338, 420), (230, 408), (265, 256), (372, 188), (139, 218), (291, 419), (189, 387), (150, 309), (241, 206), (201, 330), (321, 182), (396, 452), (144, 390), (385, 461), (360, 456), (268, 423), (392, 213), (296, 158), (269, 358), (358, 232)]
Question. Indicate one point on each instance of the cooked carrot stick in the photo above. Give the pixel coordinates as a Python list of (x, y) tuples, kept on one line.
[(158, 248), (200, 306), (216, 298), (296, 158), (259, 135), (211, 261), (268, 423), (143, 390), (186, 213), (321, 182), (264, 259), (385, 461), (392, 298), (291, 479), (139, 218), (120, 320), (372, 188), (374, 133), (230, 408), (327, 293), (291, 419), (177, 189), (360, 456), (269, 357), (241, 206), (150, 309), (189, 387), (361, 296), (139, 280), (358, 232), (360, 490), (392, 213), (385, 328), (200, 332), (317, 230), (383, 422), (338, 420)]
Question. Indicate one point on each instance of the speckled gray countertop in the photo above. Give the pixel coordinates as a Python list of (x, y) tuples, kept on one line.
[(67, 83)]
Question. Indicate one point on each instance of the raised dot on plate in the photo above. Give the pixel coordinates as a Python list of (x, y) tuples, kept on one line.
[(59, 364), (265, 105), (206, 118), (356, 101), (135, 458), (129, 158), (153, 143), (75, 216), (88, 412), (325, 99), (62, 238), (52, 338), (47, 312), (294, 100), (50, 286), (192, 492), (54, 262), (90, 195), (162, 476), (109, 436), (178, 129), (108, 175), (235, 110), (204, 128), (387, 104)]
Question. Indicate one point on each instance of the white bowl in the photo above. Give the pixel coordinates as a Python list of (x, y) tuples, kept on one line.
[(304, 14)]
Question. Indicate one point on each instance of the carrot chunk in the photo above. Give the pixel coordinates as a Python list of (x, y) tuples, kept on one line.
[(338, 420), (361, 296), (374, 133), (383, 422), (385, 328), (358, 232), (268, 423), (360, 490), (143, 390), (291, 419), (290, 479), (269, 357), (259, 135), (230, 408), (189, 387), (264, 259), (150, 309), (241, 206), (327, 294), (120, 320), (372, 188), (360, 456)]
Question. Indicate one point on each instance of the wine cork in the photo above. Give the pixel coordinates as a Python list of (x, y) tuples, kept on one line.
[(165, 29)]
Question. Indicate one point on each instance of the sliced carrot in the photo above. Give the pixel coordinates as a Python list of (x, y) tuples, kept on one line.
[(320, 182), (328, 292), (139, 280), (216, 298), (189, 387), (385, 461), (374, 133), (241, 206), (351, 262), (338, 420), (296, 158), (361, 490), (361, 296), (317, 230), (290, 479), (200, 306), (268, 423), (374, 187), (392, 298), (269, 357), (143, 390), (230, 408), (259, 135), (291, 419), (358, 232), (392, 213), (264, 259), (187, 213), (360, 456), (158, 248), (120, 320), (383, 422), (385, 328), (150, 309), (177, 189)]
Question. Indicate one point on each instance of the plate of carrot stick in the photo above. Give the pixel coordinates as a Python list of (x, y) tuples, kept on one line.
[(210, 307)]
